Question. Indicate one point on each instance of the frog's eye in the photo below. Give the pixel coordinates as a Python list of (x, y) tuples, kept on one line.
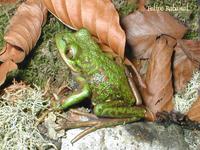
[(72, 51), (69, 53)]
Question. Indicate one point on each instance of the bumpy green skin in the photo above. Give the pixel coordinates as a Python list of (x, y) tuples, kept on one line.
[(107, 80), (108, 85)]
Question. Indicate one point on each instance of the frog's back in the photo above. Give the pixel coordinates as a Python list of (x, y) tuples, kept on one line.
[(106, 78)]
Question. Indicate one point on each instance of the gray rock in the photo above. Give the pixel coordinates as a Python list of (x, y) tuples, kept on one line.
[(193, 139), (136, 136)]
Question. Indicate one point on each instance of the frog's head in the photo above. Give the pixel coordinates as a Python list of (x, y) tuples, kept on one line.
[(69, 45)]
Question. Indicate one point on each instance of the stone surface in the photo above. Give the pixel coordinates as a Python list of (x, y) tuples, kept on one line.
[(136, 136), (193, 139)]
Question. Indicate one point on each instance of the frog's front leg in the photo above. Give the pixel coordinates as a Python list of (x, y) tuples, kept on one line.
[(78, 96), (118, 109)]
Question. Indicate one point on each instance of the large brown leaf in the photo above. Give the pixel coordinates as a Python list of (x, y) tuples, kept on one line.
[(98, 16), (143, 27), (23, 32), (183, 65), (194, 112), (158, 94), (192, 49)]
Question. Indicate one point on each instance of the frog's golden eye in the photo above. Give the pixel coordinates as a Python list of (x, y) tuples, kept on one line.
[(72, 51), (69, 53)]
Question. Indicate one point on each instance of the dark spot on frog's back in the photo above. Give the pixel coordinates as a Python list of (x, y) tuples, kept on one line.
[(95, 94), (101, 70), (106, 78)]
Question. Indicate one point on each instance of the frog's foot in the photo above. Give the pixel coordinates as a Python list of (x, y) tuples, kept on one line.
[(98, 124), (95, 125), (82, 119)]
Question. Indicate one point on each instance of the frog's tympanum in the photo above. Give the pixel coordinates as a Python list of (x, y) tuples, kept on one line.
[(101, 79)]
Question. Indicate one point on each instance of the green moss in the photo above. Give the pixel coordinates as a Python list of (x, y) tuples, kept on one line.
[(52, 27), (6, 11), (44, 62), (125, 7), (190, 16)]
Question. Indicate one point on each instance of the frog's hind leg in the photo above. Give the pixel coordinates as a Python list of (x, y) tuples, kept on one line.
[(115, 109), (118, 109)]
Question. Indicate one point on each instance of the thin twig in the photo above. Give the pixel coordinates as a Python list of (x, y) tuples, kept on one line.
[(89, 115)]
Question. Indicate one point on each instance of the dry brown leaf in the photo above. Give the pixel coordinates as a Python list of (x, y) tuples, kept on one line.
[(143, 27), (141, 5), (98, 16), (11, 52), (191, 49), (22, 34), (187, 59), (5, 68), (183, 68), (194, 112), (23, 31), (158, 94)]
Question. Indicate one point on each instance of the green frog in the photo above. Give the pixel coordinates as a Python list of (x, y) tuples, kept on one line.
[(100, 78)]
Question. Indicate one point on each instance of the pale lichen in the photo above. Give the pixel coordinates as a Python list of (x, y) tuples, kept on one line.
[(19, 107), (184, 99)]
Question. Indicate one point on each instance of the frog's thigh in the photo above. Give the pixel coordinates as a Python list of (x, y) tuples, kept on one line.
[(78, 96), (118, 109)]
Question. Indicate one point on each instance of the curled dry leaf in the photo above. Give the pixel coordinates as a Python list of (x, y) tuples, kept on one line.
[(194, 113), (98, 16), (183, 67), (158, 94), (141, 5), (5, 68), (143, 27), (23, 32), (11, 52)]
